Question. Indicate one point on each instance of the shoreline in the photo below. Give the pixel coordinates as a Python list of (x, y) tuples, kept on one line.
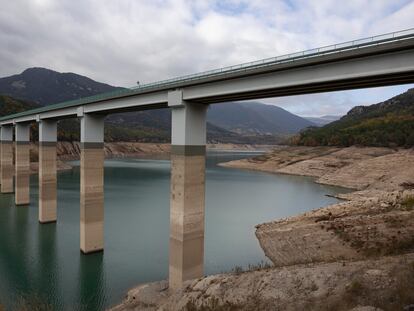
[(324, 287), (333, 236), (70, 151), (353, 168)]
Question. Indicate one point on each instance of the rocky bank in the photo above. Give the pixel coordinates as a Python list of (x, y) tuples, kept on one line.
[(376, 220), (353, 167), (355, 255), (356, 285)]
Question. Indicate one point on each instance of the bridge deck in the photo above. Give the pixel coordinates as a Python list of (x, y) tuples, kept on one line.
[(392, 41)]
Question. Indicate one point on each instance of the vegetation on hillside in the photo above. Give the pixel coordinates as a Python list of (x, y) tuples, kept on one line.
[(140, 126), (133, 127), (69, 130), (387, 124), (9, 105), (242, 123)]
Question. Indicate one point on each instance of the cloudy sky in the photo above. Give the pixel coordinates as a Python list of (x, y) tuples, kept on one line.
[(120, 42)]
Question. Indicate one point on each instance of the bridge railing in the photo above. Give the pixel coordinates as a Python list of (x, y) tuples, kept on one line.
[(329, 49)]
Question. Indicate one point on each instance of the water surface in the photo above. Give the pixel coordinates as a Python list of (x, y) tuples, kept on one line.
[(44, 261)]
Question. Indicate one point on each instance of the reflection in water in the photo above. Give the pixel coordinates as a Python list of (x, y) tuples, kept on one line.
[(10, 272), (47, 269), (45, 261), (92, 293), (17, 274)]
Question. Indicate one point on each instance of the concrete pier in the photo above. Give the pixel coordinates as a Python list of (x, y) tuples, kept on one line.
[(47, 171), (92, 181), (6, 156), (187, 190), (22, 158)]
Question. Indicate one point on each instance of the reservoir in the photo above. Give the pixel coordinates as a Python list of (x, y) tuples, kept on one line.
[(44, 263)]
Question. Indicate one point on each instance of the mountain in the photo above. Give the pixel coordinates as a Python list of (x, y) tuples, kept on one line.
[(387, 124), (253, 118), (323, 120), (251, 122), (45, 87)]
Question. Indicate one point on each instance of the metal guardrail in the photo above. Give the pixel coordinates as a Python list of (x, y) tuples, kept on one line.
[(329, 49), (325, 50)]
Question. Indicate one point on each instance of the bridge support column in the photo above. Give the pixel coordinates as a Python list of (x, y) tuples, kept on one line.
[(47, 171), (187, 190), (92, 181), (6, 159), (22, 155)]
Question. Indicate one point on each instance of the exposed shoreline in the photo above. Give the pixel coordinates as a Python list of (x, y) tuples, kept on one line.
[(370, 233), (70, 151)]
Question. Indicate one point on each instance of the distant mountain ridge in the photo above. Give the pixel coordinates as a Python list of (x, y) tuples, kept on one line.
[(256, 118), (386, 124), (230, 122), (323, 120)]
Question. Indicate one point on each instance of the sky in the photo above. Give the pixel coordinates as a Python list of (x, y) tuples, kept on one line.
[(125, 41)]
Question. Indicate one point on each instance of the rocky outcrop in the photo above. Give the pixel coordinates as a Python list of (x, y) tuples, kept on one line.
[(380, 284), (358, 229), (383, 171)]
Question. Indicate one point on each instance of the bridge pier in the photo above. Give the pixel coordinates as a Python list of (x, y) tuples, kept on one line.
[(6, 177), (187, 190), (22, 156), (92, 181), (47, 171)]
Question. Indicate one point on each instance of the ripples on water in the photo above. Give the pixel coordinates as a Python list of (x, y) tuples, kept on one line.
[(44, 262)]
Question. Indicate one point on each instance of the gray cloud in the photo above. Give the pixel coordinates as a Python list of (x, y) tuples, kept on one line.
[(120, 42)]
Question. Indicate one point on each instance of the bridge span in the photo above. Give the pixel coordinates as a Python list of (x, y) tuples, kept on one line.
[(371, 62)]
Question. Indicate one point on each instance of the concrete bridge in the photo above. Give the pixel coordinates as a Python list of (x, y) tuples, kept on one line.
[(371, 62)]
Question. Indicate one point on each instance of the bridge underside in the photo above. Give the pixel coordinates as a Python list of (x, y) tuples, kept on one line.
[(342, 85), (369, 71)]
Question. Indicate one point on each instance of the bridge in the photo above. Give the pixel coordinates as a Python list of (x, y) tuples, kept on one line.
[(370, 62)]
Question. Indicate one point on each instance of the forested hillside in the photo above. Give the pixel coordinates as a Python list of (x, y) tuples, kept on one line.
[(387, 124)]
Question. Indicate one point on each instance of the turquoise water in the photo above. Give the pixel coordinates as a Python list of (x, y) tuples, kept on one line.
[(43, 262)]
